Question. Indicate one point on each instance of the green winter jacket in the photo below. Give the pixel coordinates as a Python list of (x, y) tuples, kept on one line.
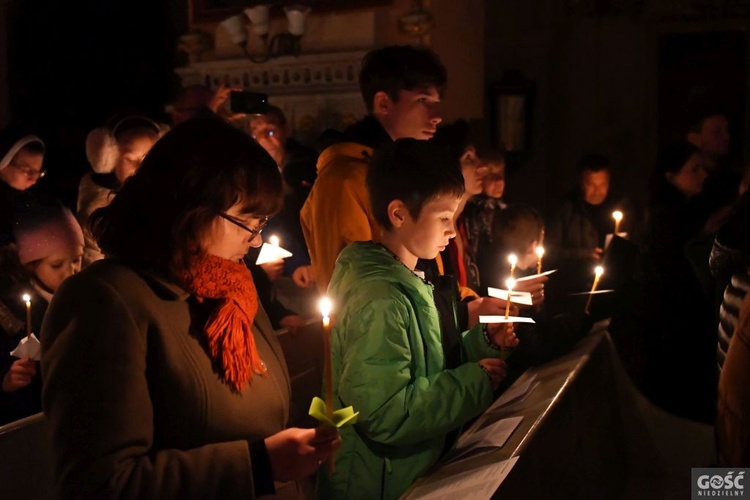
[(387, 360)]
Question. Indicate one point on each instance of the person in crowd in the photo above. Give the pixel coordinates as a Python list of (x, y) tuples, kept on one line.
[(297, 164), (21, 166), (114, 154), (454, 272), (709, 134), (279, 315), (482, 208), (456, 138), (163, 377), (730, 265), (48, 250), (390, 357), (732, 425), (199, 100), (519, 229), (683, 378), (576, 235), (401, 87)]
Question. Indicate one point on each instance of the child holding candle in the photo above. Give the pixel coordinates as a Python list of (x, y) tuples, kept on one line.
[(388, 350), (519, 230), (48, 249)]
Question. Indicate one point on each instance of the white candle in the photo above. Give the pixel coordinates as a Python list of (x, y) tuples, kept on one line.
[(617, 216), (325, 311), (599, 270), (512, 260), (27, 298), (510, 283), (539, 255)]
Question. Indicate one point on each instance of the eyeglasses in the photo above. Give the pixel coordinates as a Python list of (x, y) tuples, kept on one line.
[(253, 232), (29, 172)]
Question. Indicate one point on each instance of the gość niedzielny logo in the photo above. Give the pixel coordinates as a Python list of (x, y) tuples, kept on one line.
[(720, 483)]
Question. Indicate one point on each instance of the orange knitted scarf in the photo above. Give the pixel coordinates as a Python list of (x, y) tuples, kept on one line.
[(231, 342)]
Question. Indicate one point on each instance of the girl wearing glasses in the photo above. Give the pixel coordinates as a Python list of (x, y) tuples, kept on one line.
[(163, 377), (21, 158)]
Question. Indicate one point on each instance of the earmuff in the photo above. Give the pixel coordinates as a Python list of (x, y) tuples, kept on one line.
[(101, 143)]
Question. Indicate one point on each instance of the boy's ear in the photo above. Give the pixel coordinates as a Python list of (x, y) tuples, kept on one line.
[(396, 212), (381, 104)]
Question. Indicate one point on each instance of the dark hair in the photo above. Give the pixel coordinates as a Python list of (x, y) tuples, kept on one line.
[(400, 67), (201, 167), (593, 163), (673, 158), (412, 171), (276, 114), (701, 112), (515, 228), (134, 126), (454, 137)]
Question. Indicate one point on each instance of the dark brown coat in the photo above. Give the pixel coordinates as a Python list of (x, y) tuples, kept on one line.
[(134, 405)]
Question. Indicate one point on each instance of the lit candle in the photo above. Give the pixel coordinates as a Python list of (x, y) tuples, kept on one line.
[(274, 240), (325, 311), (512, 260), (27, 298), (617, 216), (510, 283), (539, 255), (599, 270)]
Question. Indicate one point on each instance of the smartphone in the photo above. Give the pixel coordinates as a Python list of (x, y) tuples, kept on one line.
[(251, 103)]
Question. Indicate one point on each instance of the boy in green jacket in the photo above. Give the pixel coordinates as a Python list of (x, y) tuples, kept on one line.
[(387, 345)]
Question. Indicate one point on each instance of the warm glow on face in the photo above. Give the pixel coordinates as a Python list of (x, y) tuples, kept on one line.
[(274, 240), (325, 307)]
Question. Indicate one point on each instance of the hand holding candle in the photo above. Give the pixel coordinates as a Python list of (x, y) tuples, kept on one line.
[(617, 216), (512, 260), (599, 270)]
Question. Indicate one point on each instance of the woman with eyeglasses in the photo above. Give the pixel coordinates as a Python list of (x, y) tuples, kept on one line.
[(21, 159), (163, 377)]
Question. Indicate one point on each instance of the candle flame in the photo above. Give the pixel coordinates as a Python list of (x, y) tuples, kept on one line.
[(510, 283), (325, 307), (599, 270), (512, 259), (26, 297), (540, 251), (617, 215), (274, 240)]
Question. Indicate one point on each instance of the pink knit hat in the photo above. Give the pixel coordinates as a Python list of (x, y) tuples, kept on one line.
[(42, 230)]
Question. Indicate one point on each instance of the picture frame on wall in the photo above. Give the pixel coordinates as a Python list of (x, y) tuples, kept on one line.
[(510, 102)]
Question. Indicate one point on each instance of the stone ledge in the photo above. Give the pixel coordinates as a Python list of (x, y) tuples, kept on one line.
[(306, 74)]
